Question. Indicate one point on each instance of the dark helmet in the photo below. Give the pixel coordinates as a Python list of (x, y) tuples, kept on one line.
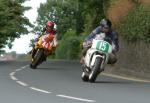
[(105, 23)]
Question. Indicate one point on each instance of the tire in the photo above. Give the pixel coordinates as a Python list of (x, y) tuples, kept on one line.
[(32, 67), (95, 71), (85, 77), (38, 58)]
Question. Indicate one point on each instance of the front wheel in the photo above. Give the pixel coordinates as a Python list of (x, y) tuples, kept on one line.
[(85, 77), (95, 71), (37, 59)]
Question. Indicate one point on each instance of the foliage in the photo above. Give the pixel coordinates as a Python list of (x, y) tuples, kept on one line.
[(2, 51), (70, 14), (136, 25), (92, 12), (69, 46), (12, 21)]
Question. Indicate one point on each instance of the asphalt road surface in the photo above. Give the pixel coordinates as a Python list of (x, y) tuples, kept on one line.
[(60, 82)]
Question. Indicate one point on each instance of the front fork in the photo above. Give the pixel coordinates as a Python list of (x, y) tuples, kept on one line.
[(86, 69)]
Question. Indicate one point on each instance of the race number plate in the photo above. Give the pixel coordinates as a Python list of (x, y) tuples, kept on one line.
[(101, 46)]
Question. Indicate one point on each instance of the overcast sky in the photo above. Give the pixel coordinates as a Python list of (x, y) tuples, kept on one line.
[(21, 45)]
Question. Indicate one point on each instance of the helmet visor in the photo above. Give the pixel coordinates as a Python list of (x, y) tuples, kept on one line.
[(50, 27)]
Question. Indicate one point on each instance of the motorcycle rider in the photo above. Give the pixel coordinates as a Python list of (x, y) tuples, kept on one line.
[(47, 30), (104, 27)]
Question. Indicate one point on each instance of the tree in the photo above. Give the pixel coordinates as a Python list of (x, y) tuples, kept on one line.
[(12, 21), (136, 25), (92, 12)]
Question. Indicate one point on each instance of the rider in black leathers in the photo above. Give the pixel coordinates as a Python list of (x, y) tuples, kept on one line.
[(105, 27)]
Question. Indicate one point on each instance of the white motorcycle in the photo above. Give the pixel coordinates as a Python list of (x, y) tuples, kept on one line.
[(96, 57)]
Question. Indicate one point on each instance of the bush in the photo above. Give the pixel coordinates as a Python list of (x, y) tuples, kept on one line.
[(69, 46), (136, 25)]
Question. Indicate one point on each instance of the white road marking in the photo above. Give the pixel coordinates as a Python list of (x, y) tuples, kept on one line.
[(25, 66), (75, 98), (12, 73), (13, 78), (40, 90), (22, 83), (125, 78), (18, 70)]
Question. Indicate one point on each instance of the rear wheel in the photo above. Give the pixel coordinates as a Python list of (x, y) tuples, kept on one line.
[(96, 70)]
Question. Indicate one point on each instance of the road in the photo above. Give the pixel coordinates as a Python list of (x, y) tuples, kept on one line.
[(60, 82)]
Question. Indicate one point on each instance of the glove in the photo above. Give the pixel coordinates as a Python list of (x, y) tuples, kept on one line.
[(87, 43)]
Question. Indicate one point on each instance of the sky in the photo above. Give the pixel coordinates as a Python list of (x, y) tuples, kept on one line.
[(21, 45)]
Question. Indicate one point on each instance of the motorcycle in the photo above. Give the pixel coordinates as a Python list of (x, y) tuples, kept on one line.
[(96, 57), (43, 47)]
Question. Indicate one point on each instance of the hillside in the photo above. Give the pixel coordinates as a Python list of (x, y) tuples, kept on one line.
[(120, 8), (133, 55)]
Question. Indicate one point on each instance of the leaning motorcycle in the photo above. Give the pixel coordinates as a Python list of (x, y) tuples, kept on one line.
[(42, 48), (96, 57)]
